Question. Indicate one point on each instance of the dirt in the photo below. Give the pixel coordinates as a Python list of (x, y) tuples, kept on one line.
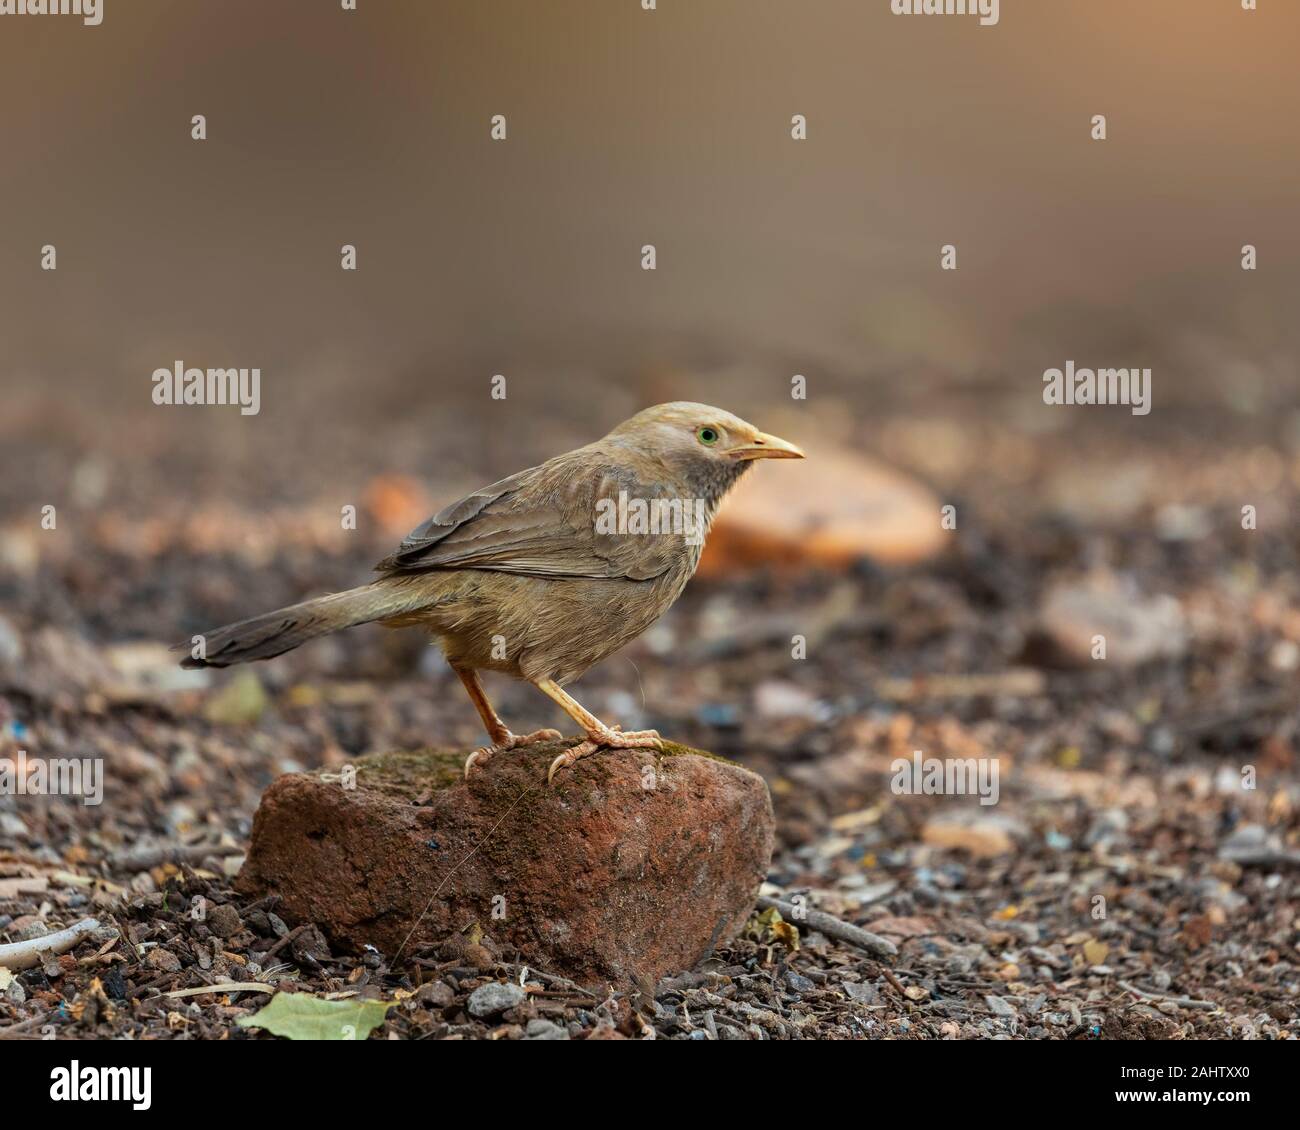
[(1136, 877)]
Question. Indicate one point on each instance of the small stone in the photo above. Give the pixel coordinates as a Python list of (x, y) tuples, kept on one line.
[(493, 998), (114, 984), (831, 511), (309, 946), (478, 957), (1104, 610), (240, 701), (29, 930), (798, 982), (861, 993), (1107, 826), (224, 921), (11, 644), (436, 993), (778, 698), (999, 1007), (162, 961), (540, 1029), (981, 834)]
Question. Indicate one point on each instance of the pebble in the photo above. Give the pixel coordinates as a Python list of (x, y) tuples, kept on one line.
[(11, 644), (311, 946), (494, 997), (437, 993), (798, 982), (224, 921), (162, 961), (861, 993), (999, 1007), (540, 1029), (114, 984), (1107, 826), (36, 929)]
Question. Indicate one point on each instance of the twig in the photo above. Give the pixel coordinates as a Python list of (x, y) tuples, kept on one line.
[(289, 937), (23, 955), (831, 926), (17, 1029), (1181, 1002), (224, 987), (898, 987), (1261, 856), (141, 859)]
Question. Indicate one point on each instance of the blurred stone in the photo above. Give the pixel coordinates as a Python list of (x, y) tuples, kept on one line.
[(493, 998), (540, 1029), (832, 509), (240, 701), (776, 698), (151, 668), (11, 643), (1136, 628), (980, 834), (224, 921)]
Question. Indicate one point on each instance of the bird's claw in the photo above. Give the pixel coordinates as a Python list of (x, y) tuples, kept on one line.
[(612, 737), (512, 741)]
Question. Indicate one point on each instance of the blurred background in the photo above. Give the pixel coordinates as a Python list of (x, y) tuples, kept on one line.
[(628, 127), (522, 258)]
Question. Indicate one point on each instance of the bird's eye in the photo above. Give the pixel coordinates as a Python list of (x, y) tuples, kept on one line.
[(707, 436)]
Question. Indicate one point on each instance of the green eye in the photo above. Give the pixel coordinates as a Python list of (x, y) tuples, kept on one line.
[(707, 436)]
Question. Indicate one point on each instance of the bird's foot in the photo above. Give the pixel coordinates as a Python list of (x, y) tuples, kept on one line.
[(511, 741), (608, 737)]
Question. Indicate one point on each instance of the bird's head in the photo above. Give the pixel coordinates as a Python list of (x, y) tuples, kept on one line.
[(705, 448), (695, 433)]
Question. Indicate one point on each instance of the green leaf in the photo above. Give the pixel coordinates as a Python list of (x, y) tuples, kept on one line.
[(301, 1016)]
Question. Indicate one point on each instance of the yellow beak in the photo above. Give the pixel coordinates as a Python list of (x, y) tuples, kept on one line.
[(764, 446)]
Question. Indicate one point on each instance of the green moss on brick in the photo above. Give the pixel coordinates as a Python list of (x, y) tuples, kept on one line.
[(407, 773)]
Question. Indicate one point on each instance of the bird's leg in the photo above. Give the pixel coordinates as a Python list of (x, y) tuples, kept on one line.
[(598, 734), (500, 734)]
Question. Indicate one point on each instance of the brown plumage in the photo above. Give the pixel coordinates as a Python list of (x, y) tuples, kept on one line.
[(547, 572)]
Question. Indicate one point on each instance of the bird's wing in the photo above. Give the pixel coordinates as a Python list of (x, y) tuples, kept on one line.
[(542, 522)]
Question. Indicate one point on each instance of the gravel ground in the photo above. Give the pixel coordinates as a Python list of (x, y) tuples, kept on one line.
[(1136, 877)]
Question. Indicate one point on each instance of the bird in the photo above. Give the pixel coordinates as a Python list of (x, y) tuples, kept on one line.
[(545, 573)]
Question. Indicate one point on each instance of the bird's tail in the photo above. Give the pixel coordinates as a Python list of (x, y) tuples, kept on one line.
[(274, 633)]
